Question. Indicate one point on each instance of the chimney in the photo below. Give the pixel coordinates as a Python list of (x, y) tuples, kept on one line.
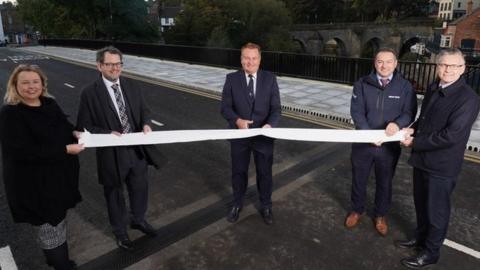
[(469, 7)]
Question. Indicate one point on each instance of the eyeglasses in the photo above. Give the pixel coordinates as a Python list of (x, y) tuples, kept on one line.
[(110, 65), (446, 66)]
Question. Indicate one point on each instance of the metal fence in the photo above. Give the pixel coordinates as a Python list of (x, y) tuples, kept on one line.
[(316, 67)]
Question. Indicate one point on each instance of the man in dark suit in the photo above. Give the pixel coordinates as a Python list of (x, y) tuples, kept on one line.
[(440, 135), (251, 99), (113, 104)]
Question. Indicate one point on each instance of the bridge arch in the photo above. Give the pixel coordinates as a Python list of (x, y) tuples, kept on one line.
[(301, 43), (335, 46), (370, 47), (405, 49)]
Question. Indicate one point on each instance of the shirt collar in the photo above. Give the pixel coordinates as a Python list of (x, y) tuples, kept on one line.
[(389, 77), (254, 75), (108, 83)]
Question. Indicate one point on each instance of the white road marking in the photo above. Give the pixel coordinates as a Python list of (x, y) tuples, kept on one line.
[(157, 123), (462, 248), (4, 59), (69, 85), (6, 259), (13, 59)]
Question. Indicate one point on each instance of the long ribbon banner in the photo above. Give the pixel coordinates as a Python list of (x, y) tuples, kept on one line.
[(297, 134)]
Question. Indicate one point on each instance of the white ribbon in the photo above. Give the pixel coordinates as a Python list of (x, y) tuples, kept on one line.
[(297, 134)]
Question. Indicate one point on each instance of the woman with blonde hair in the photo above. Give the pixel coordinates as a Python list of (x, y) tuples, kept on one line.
[(40, 163)]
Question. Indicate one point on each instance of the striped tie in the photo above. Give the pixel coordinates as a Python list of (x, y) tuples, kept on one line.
[(122, 110)]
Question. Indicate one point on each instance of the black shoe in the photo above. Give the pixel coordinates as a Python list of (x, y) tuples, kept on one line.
[(234, 214), (145, 228), (408, 244), (124, 242), (420, 261), (267, 215)]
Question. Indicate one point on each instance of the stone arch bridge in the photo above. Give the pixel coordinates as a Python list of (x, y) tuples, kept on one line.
[(358, 39)]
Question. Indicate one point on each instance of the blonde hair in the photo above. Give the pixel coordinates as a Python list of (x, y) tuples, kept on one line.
[(11, 96)]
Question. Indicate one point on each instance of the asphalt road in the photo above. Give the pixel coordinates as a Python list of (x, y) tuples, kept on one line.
[(190, 194)]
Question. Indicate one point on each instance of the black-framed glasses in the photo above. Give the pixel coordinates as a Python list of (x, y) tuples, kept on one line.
[(110, 65), (447, 66)]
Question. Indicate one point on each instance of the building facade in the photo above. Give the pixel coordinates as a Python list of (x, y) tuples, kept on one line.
[(449, 10), (464, 33)]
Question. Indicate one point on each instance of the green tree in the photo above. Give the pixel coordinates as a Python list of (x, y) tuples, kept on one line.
[(319, 11), (194, 25), (95, 19), (232, 24)]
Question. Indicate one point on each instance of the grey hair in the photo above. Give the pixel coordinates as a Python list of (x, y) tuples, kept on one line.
[(450, 51)]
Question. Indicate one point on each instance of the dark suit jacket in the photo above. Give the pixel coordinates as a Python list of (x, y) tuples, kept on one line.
[(236, 104), (443, 128), (97, 114)]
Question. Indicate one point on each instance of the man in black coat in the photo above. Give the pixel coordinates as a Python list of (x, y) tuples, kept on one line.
[(113, 104), (381, 100), (440, 135), (251, 99)]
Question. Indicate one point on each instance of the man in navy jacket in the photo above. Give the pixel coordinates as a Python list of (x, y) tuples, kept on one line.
[(251, 99), (381, 100), (441, 133)]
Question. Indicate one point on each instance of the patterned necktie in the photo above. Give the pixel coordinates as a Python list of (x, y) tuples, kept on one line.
[(251, 95), (122, 110), (384, 82)]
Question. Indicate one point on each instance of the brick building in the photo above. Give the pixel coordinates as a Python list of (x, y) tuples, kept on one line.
[(464, 33)]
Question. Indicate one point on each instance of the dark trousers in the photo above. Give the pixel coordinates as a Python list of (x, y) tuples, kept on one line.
[(241, 150), (135, 178), (431, 194), (364, 157)]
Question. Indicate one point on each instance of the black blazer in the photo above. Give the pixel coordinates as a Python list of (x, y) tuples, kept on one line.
[(443, 128), (41, 179), (97, 114), (236, 104)]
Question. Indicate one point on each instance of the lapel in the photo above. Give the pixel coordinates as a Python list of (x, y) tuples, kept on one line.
[(259, 90), (128, 99), (433, 97), (243, 84), (104, 97)]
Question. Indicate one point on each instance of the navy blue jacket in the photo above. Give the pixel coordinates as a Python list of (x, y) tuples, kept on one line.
[(374, 106), (443, 128), (236, 104)]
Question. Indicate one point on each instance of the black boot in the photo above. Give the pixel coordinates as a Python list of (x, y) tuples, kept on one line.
[(58, 258)]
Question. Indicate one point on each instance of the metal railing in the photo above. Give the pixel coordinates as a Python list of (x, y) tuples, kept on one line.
[(316, 67)]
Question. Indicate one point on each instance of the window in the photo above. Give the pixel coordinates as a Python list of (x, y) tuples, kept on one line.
[(450, 6), (445, 42), (459, 4)]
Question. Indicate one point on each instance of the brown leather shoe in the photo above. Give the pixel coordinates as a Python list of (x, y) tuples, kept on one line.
[(352, 220), (381, 225)]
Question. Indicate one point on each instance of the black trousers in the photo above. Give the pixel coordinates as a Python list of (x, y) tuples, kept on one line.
[(241, 151), (135, 179), (384, 159), (431, 194)]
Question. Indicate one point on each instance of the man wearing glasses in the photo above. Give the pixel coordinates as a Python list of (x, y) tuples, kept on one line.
[(438, 139), (113, 104)]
